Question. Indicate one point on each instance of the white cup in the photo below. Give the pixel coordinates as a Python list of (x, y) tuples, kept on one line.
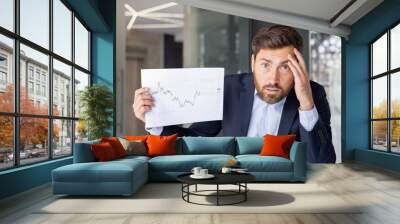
[(203, 172), (226, 170), (196, 171)]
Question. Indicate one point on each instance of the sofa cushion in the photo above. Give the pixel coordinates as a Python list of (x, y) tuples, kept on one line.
[(116, 145), (208, 145), (249, 145), (134, 147), (103, 152), (277, 145), (185, 163), (257, 163), (111, 171), (161, 145)]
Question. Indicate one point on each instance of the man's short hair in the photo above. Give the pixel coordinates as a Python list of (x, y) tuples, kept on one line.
[(274, 37)]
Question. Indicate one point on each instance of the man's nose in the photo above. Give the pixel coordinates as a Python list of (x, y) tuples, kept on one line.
[(273, 77)]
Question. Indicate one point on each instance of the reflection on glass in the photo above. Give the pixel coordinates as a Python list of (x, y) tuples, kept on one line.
[(7, 14), (6, 74), (379, 97), (81, 131), (34, 96), (395, 95), (395, 136), (81, 81), (34, 21), (81, 45), (62, 89), (62, 138), (33, 139), (379, 55), (395, 47), (6, 142), (216, 40), (325, 68), (379, 135), (62, 29)]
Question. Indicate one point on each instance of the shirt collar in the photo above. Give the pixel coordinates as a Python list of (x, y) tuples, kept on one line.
[(277, 104)]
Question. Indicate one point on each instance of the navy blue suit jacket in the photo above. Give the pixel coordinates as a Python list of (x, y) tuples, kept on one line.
[(238, 105)]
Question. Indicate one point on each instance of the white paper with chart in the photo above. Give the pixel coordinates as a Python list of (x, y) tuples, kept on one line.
[(184, 95)]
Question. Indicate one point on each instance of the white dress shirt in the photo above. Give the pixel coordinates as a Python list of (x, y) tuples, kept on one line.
[(265, 118)]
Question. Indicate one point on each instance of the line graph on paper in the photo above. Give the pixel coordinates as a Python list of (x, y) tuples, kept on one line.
[(184, 95), (181, 101)]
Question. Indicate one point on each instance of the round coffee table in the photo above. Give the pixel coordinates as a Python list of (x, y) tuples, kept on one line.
[(238, 179)]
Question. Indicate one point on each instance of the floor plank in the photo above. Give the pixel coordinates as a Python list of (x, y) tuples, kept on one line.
[(376, 188)]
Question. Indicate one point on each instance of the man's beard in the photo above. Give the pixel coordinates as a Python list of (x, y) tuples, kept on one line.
[(271, 93)]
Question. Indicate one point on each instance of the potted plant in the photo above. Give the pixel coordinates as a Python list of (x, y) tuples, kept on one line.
[(96, 102)]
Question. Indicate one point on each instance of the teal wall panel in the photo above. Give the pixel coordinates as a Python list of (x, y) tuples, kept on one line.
[(355, 60), (24, 178)]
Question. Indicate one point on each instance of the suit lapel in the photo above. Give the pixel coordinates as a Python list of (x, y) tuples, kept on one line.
[(289, 112), (246, 104)]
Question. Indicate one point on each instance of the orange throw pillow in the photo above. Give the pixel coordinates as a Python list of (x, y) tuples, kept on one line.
[(103, 151), (116, 145), (277, 145), (136, 137), (161, 145)]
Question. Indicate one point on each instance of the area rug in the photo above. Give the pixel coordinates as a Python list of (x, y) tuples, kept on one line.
[(166, 198)]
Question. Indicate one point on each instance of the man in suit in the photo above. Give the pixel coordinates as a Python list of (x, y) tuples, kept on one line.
[(276, 98)]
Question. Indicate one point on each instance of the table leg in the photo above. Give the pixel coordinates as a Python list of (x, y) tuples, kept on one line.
[(217, 194), (245, 193)]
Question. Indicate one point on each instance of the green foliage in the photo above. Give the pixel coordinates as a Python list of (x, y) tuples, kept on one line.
[(97, 103)]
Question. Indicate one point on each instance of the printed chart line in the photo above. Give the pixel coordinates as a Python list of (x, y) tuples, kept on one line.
[(181, 102)]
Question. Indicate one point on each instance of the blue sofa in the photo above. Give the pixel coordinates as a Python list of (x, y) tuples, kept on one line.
[(126, 175)]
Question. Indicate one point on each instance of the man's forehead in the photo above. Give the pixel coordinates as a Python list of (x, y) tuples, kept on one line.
[(274, 60), (274, 55)]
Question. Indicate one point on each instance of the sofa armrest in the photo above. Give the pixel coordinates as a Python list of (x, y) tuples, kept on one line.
[(298, 155), (83, 152)]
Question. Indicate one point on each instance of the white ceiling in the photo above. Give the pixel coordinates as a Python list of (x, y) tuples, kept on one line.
[(139, 5), (306, 14), (320, 9)]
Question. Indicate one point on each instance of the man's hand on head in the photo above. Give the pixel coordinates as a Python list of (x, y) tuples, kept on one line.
[(301, 81)]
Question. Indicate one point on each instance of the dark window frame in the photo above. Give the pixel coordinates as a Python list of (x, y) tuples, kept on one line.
[(16, 114), (388, 74)]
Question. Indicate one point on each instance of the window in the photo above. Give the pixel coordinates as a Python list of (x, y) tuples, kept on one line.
[(62, 29), (6, 142), (385, 97), (30, 72), (62, 74), (44, 91), (30, 87), (35, 21), (7, 14), (37, 75), (3, 78), (37, 89), (6, 73), (46, 74), (3, 61), (81, 81), (81, 45)]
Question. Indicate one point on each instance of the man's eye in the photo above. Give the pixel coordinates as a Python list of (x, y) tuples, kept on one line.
[(286, 67), (265, 65)]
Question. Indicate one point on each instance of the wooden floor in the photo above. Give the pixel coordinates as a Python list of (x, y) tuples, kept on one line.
[(378, 188)]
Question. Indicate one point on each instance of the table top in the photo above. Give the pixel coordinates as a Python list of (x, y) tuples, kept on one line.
[(220, 178)]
